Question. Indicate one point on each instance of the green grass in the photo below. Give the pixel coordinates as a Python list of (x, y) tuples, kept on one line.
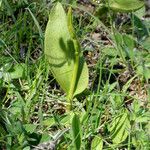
[(113, 112)]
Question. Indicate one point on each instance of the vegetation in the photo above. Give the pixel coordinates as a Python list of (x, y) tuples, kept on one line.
[(79, 83)]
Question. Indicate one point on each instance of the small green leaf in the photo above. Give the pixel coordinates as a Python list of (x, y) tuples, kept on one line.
[(30, 128), (97, 143), (15, 72), (125, 5), (49, 122), (67, 119), (110, 51), (126, 44), (59, 50), (144, 71), (76, 130), (26, 148), (120, 128), (45, 137), (146, 43), (140, 13)]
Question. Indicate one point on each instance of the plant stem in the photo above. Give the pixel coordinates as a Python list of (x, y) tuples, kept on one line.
[(76, 46), (75, 72)]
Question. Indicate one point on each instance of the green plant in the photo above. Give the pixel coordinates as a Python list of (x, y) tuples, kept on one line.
[(121, 5), (63, 52)]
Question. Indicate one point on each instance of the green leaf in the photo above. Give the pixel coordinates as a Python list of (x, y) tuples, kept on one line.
[(17, 71), (146, 43), (76, 130), (125, 5), (143, 70), (126, 44), (140, 13), (59, 50), (110, 51), (26, 148), (67, 119), (30, 128), (97, 143), (120, 128), (45, 137), (49, 122)]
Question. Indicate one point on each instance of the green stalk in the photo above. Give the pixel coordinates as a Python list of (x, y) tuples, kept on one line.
[(76, 61), (74, 75)]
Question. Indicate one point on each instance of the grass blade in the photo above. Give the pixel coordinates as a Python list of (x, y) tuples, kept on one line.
[(76, 131), (38, 26)]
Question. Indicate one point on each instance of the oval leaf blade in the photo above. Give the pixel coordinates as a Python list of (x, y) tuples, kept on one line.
[(60, 52), (120, 128), (126, 5), (97, 143)]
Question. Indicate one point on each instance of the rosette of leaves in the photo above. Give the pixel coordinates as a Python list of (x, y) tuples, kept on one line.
[(63, 53)]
